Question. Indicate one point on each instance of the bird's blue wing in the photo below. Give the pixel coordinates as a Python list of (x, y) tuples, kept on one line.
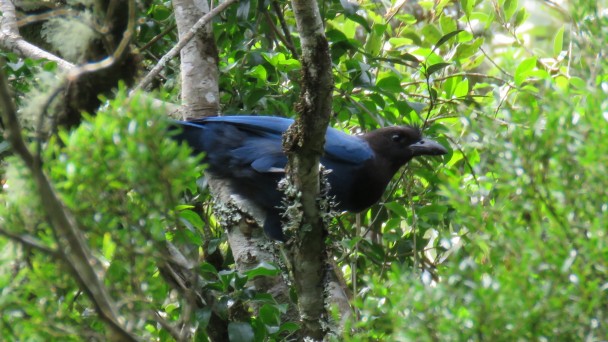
[(342, 147), (338, 145), (258, 139), (263, 154), (260, 124), (264, 148)]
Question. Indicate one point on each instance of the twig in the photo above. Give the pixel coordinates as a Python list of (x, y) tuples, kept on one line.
[(107, 62), (158, 37), (288, 41), (28, 241), (12, 41), (180, 45), (486, 54)]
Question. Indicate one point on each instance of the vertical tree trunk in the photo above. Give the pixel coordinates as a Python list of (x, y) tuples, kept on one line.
[(199, 60), (304, 144)]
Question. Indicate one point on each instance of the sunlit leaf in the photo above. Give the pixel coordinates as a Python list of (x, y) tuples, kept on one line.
[(510, 6), (435, 68), (445, 38), (263, 269), (558, 41)]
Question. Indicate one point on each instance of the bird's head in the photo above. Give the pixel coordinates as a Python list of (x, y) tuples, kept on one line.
[(399, 144)]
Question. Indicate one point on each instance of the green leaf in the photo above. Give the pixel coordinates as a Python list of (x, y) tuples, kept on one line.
[(558, 42), (160, 12), (400, 41), (509, 8), (472, 64), (520, 17), (390, 84), (49, 66), (240, 332), (289, 327), (359, 20), (523, 69), (117, 271), (449, 86), (258, 72), (431, 34), (212, 245), (270, 315), (375, 39), (200, 335), (409, 57), (288, 64), (335, 36), (462, 89), (188, 235), (253, 96), (433, 94), (109, 246), (397, 208), (193, 218), (483, 18), (225, 277), (435, 67), (445, 38), (578, 83), (206, 267), (467, 50), (448, 24), (263, 269), (183, 207), (238, 282), (467, 6), (440, 5)]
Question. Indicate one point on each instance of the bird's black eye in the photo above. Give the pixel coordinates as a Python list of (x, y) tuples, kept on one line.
[(397, 137)]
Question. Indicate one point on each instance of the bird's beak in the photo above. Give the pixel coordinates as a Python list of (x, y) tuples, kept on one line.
[(427, 147)]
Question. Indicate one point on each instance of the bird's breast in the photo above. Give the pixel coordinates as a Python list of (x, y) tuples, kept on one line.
[(356, 189)]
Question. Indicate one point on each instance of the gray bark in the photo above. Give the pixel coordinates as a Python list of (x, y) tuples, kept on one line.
[(304, 144)]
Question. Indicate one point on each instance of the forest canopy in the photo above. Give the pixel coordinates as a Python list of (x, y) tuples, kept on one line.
[(111, 230)]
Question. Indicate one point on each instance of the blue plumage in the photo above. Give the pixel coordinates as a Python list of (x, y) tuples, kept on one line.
[(247, 151)]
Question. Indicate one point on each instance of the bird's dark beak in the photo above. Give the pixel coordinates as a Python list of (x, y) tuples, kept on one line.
[(427, 147)]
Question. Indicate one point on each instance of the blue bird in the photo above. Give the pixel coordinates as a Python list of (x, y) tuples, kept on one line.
[(247, 151)]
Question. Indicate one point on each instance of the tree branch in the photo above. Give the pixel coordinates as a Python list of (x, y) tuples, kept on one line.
[(11, 40), (304, 145), (182, 42), (28, 241)]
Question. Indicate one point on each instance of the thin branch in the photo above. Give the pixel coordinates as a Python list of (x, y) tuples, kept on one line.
[(29, 241), (34, 18), (180, 45), (158, 37), (167, 326), (410, 200), (107, 62), (12, 41), (278, 33), (465, 158), (288, 41), (486, 54)]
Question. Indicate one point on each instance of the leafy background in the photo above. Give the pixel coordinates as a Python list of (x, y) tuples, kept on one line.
[(502, 239)]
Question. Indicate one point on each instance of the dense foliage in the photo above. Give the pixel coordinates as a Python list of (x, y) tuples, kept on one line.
[(502, 239)]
